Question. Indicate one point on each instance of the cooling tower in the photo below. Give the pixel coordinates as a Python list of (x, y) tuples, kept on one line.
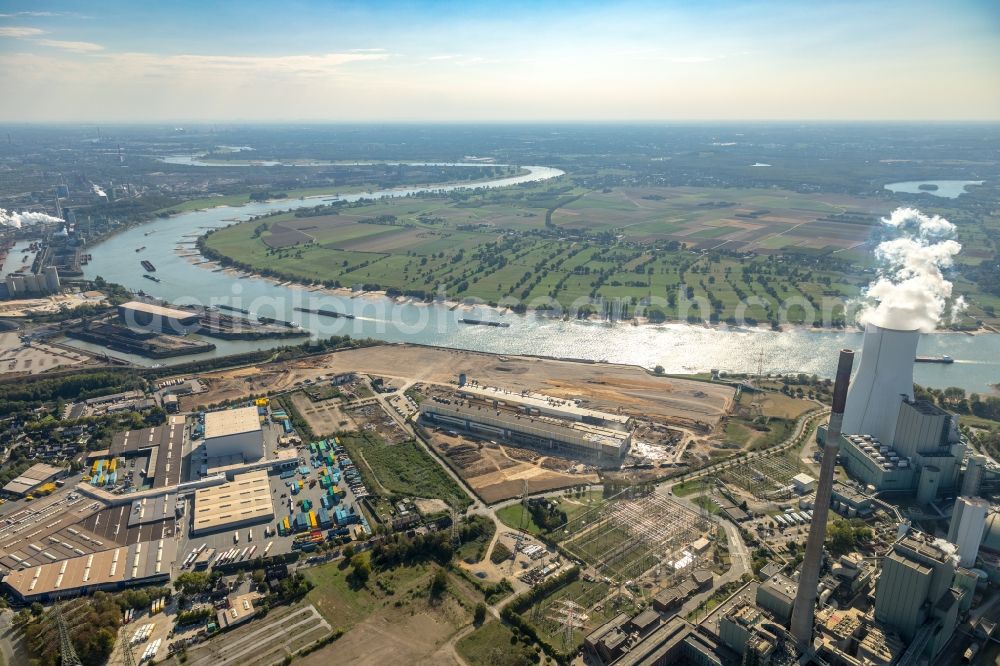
[(884, 376)]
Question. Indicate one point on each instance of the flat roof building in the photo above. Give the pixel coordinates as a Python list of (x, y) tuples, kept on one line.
[(240, 610), (567, 437), (803, 483), (244, 500), (113, 569), (777, 595), (157, 317), (561, 408), (31, 478), (166, 445), (234, 432)]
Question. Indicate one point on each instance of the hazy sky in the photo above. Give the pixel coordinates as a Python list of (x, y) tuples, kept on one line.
[(426, 60)]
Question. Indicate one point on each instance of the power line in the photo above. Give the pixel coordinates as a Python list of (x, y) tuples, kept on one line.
[(66, 649)]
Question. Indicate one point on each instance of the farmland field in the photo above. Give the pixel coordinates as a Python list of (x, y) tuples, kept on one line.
[(675, 253)]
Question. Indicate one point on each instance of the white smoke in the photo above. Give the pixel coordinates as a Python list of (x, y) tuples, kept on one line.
[(911, 291), (10, 218)]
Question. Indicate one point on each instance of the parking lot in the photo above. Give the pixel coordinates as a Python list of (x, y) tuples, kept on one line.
[(284, 503)]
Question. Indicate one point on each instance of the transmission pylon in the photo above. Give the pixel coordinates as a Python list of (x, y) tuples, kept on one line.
[(521, 525), (128, 657), (454, 527), (66, 649)]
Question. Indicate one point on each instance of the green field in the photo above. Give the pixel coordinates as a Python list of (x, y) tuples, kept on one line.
[(403, 469), (565, 246), (517, 517), (491, 645)]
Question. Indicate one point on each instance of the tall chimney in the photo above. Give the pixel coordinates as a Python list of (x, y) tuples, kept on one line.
[(805, 598)]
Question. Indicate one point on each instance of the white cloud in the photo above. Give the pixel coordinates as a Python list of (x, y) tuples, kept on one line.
[(302, 65), (75, 47), (20, 32)]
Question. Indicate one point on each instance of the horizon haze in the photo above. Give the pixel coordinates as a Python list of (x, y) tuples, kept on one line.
[(491, 62)]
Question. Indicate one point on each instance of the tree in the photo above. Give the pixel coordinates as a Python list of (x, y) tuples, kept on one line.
[(191, 582), (361, 570), (439, 583), (658, 370), (479, 615)]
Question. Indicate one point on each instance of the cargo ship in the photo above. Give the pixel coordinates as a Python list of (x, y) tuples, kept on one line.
[(150, 268), (230, 308), (325, 313), (934, 359), (151, 277), (140, 249), (480, 322)]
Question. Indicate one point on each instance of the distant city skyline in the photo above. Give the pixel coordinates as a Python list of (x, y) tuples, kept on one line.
[(514, 61)]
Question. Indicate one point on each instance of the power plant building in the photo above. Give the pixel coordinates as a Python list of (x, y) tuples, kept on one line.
[(234, 433), (924, 457), (917, 595), (968, 522), (972, 479), (891, 441)]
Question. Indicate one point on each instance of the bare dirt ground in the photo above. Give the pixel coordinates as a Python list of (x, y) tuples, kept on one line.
[(415, 632), (498, 472), (16, 358), (324, 416), (598, 385), (405, 635)]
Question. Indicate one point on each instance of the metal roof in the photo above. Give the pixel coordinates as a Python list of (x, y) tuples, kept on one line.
[(246, 497)]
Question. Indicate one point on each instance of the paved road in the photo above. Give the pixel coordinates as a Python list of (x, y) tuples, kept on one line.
[(11, 645)]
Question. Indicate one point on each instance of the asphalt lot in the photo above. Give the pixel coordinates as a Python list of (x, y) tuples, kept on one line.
[(280, 496)]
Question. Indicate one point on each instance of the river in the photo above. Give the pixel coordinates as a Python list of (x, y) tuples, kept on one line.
[(679, 348)]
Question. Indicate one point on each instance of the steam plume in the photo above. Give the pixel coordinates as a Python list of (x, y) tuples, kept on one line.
[(910, 291), (10, 218)]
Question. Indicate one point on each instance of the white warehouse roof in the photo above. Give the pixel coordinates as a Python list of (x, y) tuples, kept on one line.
[(231, 422), (153, 309)]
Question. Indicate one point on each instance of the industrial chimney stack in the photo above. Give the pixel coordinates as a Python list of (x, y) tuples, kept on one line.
[(805, 598)]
